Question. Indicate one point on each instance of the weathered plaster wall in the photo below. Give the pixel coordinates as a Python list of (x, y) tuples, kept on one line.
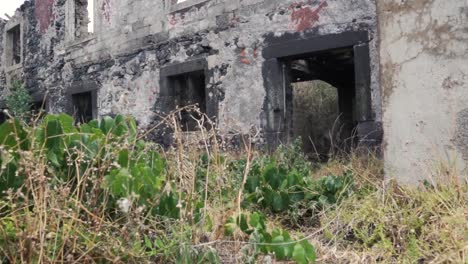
[(423, 53), (134, 39), (42, 30)]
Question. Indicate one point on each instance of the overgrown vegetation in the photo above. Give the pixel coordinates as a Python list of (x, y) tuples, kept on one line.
[(100, 193), (19, 101)]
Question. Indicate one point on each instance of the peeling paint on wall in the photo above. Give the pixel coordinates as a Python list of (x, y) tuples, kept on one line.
[(303, 16), (44, 14), (134, 40)]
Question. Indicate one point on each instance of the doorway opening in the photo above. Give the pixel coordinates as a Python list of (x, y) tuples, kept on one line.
[(320, 97), (83, 107), (190, 90)]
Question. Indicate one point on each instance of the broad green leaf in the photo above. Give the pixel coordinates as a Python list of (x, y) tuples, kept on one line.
[(118, 182), (52, 157), (280, 250), (273, 176), (229, 229), (66, 122), (124, 158), (13, 135), (278, 204), (299, 254), (148, 243), (257, 221), (242, 222), (107, 124), (309, 251)]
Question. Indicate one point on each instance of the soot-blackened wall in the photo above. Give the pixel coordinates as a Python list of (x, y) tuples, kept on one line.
[(238, 41)]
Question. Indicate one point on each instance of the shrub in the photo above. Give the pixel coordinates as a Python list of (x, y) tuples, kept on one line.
[(19, 101)]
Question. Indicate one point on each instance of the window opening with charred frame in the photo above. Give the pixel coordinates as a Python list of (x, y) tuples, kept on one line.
[(320, 97), (14, 46), (302, 72), (84, 106), (185, 84), (189, 89), (3, 116)]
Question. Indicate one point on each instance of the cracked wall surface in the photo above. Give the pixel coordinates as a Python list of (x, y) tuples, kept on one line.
[(424, 83), (133, 40), (418, 54), (418, 81)]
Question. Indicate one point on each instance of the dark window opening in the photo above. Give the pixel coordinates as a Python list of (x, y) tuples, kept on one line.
[(14, 39), (83, 107), (189, 90), (320, 101), (3, 116), (38, 108)]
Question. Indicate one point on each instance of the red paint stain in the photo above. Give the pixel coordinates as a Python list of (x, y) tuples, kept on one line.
[(245, 61), (234, 20), (172, 20), (44, 14), (248, 55), (243, 53), (303, 16), (243, 57)]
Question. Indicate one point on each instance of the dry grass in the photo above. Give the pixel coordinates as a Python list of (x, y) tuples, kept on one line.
[(389, 223), (48, 221)]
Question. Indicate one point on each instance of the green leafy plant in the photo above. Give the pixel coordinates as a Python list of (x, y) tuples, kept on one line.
[(277, 241), (19, 101), (279, 185)]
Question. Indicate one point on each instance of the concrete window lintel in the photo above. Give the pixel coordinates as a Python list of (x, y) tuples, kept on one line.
[(82, 87), (186, 5), (184, 67), (11, 25), (167, 93)]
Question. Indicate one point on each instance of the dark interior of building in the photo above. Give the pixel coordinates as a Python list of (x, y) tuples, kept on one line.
[(14, 35), (82, 107), (321, 101), (190, 90)]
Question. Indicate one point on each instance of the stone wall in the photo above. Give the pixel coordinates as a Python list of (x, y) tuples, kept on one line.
[(423, 53), (241, 45), (2, 73), (133, 40)]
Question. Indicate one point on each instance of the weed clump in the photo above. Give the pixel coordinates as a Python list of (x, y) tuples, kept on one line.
[(99, 192), (398, 224)]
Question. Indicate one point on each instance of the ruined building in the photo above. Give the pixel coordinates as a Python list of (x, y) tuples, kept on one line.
[(398, 68)]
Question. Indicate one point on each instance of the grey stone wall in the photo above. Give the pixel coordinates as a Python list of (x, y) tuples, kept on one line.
[(2, 73), (423, 54), (134, 39)]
